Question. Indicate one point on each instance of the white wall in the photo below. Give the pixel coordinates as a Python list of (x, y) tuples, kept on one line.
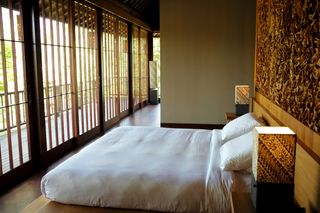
[(207, 47)]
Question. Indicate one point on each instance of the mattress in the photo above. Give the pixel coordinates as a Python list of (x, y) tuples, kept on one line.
[(150, 168)]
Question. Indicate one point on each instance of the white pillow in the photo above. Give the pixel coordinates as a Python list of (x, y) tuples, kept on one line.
[(239, 126), (236, 154)]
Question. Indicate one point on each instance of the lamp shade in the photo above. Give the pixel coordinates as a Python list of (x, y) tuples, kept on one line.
[(274, 155), (242, 94)]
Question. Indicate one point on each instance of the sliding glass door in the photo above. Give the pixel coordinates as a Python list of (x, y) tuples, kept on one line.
[(123, 68), (140, 76), (14, 118), (144, 76), (60, 106), (56, 71), (115, 70), (136, 66), (86, 68)]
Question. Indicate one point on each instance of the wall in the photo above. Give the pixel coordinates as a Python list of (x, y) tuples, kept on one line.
[(207, 47)]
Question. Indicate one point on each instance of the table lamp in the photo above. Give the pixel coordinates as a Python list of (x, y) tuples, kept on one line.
[(273, 169), (242, 99)]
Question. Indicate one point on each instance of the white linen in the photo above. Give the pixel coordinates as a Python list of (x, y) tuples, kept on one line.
[(236, 154), (174, 170), (238, 181), (239, 126)]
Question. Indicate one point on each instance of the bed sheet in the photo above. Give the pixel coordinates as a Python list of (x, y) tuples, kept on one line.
[(172, 170)]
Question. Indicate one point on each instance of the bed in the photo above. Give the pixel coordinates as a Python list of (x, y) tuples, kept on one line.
[(158, 169)]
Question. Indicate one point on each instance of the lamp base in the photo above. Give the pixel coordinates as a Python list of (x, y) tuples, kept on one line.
[(272, 197), (242, 109)]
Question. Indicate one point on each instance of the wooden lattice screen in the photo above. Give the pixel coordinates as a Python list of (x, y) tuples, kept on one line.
[(144, 65), (136, 65), (123, 66), (14, 122), (115, 66), (86, 66), (110, 65), (56, 71)]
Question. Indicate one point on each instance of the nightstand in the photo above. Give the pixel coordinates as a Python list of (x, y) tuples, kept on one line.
[(241, 202), (230, 116)]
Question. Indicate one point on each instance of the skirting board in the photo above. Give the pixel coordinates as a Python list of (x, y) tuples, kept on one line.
[(192, 126)]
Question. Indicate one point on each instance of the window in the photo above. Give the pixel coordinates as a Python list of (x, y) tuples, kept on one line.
[(110, 66), (86, 66), (66, 40), (14, 123), (136, 65), (124, 67), (56, 71), (144, 64), (140, 66), (115, 67)]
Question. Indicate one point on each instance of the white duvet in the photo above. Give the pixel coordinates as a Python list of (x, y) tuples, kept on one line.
[(173, 170)]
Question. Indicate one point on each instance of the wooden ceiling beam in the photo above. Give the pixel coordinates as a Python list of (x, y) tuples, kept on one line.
[(142, 4), (117, 8), (145, 6)]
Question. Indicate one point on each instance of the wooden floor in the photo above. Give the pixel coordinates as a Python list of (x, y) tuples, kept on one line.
[(22, 195)]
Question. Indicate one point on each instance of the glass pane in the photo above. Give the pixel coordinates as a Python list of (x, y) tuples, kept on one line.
[(86, 55), (14, 126), (56, 70)]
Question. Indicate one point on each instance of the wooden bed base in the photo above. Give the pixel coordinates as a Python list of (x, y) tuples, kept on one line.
[(42, 204)]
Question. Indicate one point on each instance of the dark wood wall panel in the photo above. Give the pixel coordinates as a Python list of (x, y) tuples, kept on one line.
[(288, 57)]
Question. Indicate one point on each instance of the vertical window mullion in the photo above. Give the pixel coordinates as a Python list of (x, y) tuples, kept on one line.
[(118, 65), (53, 75), (90, 70), (120, 78), (105, 67), (95, 65), (59, 71), (25, 91), (85, 68), (45, 52), (16, 94), (6, 99), (139, 65), (109, 68), (80, 68), (65, 70), (95, 91)]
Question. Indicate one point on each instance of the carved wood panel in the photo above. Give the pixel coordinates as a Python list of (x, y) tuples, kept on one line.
[(288, 57)]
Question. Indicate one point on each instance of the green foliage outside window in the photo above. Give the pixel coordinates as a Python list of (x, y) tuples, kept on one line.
[(8, 56)]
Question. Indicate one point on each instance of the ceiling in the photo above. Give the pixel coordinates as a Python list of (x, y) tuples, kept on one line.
[(147, 10)]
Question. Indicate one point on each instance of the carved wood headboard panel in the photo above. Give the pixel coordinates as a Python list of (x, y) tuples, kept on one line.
[(307, 167), (288, 57)]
